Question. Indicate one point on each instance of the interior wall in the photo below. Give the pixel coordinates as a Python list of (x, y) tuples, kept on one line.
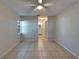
[(30, 28), (51, 28), (68, 29), (8, 29)]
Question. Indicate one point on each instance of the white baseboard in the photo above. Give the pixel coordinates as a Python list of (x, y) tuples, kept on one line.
[(67, 49), (10, 49)]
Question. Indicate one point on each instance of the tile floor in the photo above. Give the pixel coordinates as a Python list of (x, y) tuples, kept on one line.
[(41, 50)]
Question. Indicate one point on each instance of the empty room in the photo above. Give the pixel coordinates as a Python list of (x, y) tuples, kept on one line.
[(39, 29)]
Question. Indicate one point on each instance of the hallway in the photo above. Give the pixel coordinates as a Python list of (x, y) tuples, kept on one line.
[(40, 50), (23, 20)]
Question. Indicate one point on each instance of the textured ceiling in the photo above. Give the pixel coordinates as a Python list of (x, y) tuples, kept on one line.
[(20, 7)]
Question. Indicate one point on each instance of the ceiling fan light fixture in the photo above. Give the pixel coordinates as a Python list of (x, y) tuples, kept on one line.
[(39, 7), (40, 1)]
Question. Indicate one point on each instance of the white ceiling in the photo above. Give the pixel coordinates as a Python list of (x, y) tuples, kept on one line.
[(57, 7)]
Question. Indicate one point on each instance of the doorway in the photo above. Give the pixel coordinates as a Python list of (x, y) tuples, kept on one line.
[(42, 27)]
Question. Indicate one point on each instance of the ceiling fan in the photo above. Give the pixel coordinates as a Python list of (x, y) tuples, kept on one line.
[(40, 5)]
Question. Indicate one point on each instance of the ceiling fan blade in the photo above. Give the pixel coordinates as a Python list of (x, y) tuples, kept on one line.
[(30, 5), (48, 4)]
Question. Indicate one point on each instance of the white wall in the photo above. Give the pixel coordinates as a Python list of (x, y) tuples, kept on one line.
[(30, 28), (68, 29), (8, 31), (51, 28)]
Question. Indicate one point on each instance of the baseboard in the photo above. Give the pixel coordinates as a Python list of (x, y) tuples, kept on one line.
[(10, 49), (67, 49)]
